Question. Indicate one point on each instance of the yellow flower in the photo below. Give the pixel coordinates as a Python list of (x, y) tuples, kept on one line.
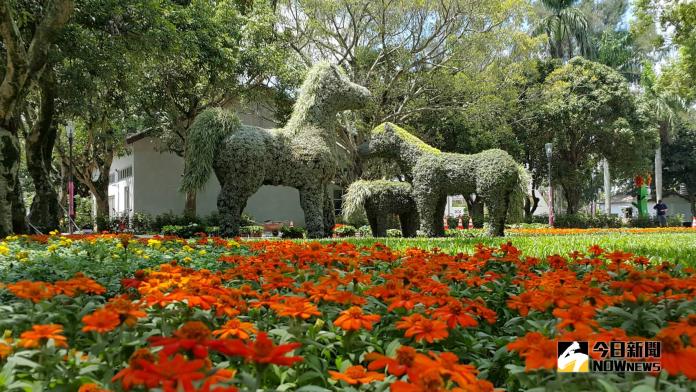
[(187, 259), (233, 244), (202, 252), (4, 250), (187, 248), (153, 243), (52, 248), (54, 232)]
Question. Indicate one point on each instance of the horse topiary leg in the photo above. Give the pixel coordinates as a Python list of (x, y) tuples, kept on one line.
[(498, 207), (377, 219), (427, 203), (312, 203), (439, 214), (409, 223), (329, 213), (231, 201)]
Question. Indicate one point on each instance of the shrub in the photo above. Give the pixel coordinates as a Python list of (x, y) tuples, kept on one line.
[(364, 231), (251, 231), (141, 223), (394, 233), (292, 232), (187, 231), (643, 221), (676, 220), (344, 231)]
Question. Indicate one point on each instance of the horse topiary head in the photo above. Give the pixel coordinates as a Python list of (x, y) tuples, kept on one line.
[(326, 91), (391, 141)]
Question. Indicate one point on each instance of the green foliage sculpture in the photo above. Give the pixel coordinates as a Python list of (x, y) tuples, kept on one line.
[(379, 199), (492, 174), (300, 155)]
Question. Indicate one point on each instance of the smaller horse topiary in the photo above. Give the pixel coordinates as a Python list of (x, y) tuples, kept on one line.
[(492, 174), (379, 199)]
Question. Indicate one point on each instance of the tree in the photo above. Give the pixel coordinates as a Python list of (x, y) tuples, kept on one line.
[(589, 114), (565, 26), (679, 163), (23, 66), (214, 54), (433, 67)]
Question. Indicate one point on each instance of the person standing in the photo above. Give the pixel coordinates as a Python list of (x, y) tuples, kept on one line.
[(661, 209)]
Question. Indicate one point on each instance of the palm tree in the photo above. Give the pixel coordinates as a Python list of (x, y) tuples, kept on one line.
[(566, 27)]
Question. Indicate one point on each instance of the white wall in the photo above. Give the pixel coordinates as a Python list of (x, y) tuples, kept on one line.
[(117, 190), (158, 176)]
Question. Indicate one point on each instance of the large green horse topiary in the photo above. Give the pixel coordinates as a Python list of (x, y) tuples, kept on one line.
[(379, 199), (300, 155), (492, 174)]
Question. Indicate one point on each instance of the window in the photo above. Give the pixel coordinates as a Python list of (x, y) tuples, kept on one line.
[(126, 199), (125, 173), (112, 203)]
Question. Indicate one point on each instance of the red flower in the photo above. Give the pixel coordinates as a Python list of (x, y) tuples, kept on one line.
[(262, 351), (193, 337)]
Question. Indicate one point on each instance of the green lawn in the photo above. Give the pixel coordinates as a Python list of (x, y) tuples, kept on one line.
[(668, 246)]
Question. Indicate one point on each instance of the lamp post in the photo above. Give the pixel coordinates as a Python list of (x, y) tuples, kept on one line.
[(70, 128), (549, 154)]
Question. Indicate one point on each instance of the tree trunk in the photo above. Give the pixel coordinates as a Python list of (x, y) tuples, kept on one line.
[(607, 188), (572, 196), (658, 173), (190, 206), (531, 202), (9, 174), (19, 211), (45, 211)]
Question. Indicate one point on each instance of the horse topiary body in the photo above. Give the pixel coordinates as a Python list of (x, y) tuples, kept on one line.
[(379, 199), (492, 174), (300, 155)]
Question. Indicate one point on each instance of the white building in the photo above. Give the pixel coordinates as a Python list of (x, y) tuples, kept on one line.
[(147, 180)]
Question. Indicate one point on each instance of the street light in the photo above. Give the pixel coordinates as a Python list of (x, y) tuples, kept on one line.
[(549, 154), (70, 128)]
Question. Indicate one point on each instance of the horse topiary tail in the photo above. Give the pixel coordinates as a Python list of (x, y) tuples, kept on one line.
[(354, 200), (518, 195), (205, 137)]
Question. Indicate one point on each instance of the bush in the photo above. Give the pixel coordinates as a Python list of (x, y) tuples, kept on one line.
[(292, 232), (643, 221), (251, 231), (141, 223), (393, 233), (364, 231), (585, 221), (676, 220), (344, 231), (187, 231)]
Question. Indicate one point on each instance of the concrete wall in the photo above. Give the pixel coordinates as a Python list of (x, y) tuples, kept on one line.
[(117, 190)]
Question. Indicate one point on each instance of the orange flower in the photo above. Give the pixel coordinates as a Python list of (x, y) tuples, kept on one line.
[(79, 284), (102, 320), (398, 366), (354, 319), (91, 387), (579, 317), (429, 380), (34, 291), (40, 333), (538, 351), (296, 307), (455, 314), (135, 373), (357, 375), (675, 357), (235, 328), (5, 350), (262, 351), (421, 328), (128, 311), (193, 337)]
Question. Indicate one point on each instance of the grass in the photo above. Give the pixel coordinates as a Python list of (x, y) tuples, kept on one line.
[(677, 247)]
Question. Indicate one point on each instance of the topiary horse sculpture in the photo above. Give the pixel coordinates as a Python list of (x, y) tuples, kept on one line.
[(492, 174), (379, 199), (300, 155)]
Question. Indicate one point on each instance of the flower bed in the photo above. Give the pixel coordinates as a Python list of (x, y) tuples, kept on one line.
[(118, 313), (628, 230)]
